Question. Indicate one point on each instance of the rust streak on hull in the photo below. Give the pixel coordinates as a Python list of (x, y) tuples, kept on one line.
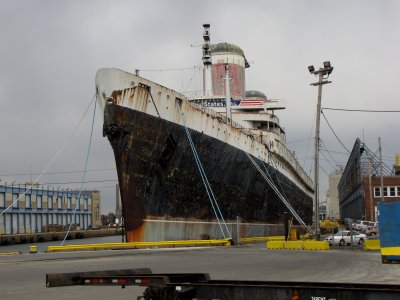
[(136, 235)]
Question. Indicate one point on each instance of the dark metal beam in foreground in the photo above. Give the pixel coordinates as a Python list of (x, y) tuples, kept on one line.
[(68, 279)]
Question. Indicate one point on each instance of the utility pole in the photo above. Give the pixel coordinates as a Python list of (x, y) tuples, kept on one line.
[(322, 73), (371, 203), (381, 168)]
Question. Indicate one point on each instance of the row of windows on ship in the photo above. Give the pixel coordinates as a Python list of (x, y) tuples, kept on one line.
[(216, 102), (268, 126)]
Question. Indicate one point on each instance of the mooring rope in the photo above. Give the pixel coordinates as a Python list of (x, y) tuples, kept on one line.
[(77, 203), (51, 161), (204, 182), (276, 173), (272, 159), (211, 196), (273, 186)]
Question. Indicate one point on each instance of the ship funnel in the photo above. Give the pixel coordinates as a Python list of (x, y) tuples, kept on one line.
[(207, 71), (397, 164)]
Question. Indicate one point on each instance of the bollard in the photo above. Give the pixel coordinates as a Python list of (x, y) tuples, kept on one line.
[(32, 249)]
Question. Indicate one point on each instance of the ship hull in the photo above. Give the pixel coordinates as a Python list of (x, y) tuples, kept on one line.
[(159, 178)]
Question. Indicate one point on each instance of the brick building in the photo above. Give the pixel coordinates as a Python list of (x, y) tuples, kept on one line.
[(360, 187)]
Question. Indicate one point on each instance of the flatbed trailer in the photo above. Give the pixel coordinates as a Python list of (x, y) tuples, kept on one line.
[(199, 286)]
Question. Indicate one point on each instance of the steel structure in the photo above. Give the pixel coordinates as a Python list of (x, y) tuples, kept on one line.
[(361, 165)]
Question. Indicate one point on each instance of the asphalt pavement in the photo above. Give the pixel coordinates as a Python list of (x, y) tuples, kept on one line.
[(23, 276)]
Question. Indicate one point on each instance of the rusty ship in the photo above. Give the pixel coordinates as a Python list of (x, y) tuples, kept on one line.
[(160, 136)]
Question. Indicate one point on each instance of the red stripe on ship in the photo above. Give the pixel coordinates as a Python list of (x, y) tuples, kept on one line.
[(251, 102)]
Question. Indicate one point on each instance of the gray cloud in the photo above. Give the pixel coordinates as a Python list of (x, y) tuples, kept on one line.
[(50, 51)]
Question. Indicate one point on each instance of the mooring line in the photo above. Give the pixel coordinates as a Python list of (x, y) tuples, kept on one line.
[(52, 160), (206, 183), (273, 186), (77, 203)]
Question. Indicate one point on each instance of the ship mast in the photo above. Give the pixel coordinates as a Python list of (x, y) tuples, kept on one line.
[(227, 95), (207, 71)]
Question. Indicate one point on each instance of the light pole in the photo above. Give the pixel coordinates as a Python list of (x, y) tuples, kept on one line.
[(323, 74)]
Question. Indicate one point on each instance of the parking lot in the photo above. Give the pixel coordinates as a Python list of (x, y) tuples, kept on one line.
[(23, 276)]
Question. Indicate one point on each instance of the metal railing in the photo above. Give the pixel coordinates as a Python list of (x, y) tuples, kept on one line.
[(283, 151)]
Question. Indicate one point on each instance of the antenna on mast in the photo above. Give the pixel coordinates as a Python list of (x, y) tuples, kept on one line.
[(207, 71)]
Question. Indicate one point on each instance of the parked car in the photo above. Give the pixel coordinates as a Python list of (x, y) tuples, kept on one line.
[(362, 225), (343, 237), (371, 230)]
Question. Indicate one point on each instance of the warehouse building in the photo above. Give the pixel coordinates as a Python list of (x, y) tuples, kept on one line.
[(36, 209)]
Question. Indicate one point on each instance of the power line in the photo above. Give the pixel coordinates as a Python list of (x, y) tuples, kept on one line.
[(336, 152), (75, 182), (297, 141), (329, 162), (334, 132), (361, 110), (53, 159), (84, 173), (194, 74), (323, 170), (101, 187), (53, 173), (312, 158), (329, 153), (71, 182), (171, 69)]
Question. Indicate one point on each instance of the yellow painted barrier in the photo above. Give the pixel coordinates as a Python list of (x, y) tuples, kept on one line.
[(315, 245), (275, 245), (108, 246), (10, 253), (276, 238), (372, 245), (298, 245), (388, 251), (293, 245), (32, 249), (262, 239)]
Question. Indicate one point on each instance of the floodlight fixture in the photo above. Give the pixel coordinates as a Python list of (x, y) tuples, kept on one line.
[(311, 69), (327, 64)]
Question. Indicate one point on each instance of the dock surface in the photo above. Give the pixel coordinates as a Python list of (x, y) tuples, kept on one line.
[(23, 276)]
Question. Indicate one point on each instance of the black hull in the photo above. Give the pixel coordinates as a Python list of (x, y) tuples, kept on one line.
[(159, 178)]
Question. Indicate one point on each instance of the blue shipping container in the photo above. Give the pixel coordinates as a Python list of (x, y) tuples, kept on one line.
[(389, 231)]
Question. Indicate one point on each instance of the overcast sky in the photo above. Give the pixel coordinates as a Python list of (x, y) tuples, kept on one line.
[(50, 51)]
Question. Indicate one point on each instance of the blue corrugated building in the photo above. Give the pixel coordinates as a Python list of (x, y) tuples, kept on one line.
[(38, 208), (360, 187)]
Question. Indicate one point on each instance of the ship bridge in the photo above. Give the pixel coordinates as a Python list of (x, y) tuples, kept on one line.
[(255, 112)]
